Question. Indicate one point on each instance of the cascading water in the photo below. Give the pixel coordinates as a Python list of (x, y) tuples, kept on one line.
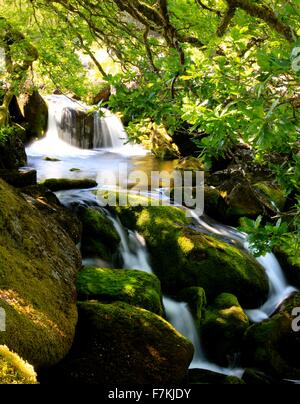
[(70, 123)]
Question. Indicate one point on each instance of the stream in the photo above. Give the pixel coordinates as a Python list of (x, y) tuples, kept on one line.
[(66, 131)]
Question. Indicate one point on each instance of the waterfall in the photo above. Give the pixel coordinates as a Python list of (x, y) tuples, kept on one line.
[(71, 123)]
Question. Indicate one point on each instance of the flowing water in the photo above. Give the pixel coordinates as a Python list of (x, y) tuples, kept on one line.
[(105, 149)]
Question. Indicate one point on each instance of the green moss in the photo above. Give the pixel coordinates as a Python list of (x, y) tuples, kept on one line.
[(99, 236), (38, 266), (14, 370), (131, 286), (61, 184), (196, 299), (223, 328), (272, 194), (195, 259), (127, 345)]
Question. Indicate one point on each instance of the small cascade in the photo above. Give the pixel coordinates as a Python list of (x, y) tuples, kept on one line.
[(72, 123), (279, 287)]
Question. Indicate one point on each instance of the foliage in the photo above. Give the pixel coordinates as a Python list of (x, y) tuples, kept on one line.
[(5, 133)]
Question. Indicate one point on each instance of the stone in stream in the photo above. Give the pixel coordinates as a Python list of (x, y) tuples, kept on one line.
[(183, 257), (99, 237), (274, 345), (130, 286), (223, 328), (200, 376), (38, 266), (63, 184), (124, 344)]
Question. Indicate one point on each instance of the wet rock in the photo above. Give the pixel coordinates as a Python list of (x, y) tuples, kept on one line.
[(62, 184), (200, 376), (127, 345), (223, 329), (19, 178), (130, 286)]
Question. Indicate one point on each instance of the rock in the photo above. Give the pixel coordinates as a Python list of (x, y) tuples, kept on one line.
[(99, 237), (77, 128), (39, 264), (127, 345), (15, 112), (200, 376), (190, 164), (242, 201), (196, 299), (290, 265), (48, 204), (19, 178), (273, 346), (51, 159), (255, 377), (223, 329), (271, 195), (75, 170), (130, 286), (12, 150), (14, 370), (62, 184), (103, 93), (35, 111), (196, 259), (155, 138)]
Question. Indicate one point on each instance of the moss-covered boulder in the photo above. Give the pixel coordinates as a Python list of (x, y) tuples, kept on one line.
[(196, 299), (256, 377), (273, 345), (12, 149), (99, 237), (200, 376), (195, 259), (130, 286), (64, 184), (223, 329), (271, 195), (124, 344), (14, 370), (38, 267)]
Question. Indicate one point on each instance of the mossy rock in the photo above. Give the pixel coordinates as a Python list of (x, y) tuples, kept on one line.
[(14, 370), (196, 259), (130, 286), (271, 195), (223, 329), (38, 268), (257, 377), (200, 376), (243, 202), (196, 299), (64, 184), (99, 237), (125, 344), (273, 346), (290, 265)]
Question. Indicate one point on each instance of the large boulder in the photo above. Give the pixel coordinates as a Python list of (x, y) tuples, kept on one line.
[(63, 184), (38, 266), (274, 345), (14, 370), (124, 344), (223, 329), (196, 259), (130, 286)]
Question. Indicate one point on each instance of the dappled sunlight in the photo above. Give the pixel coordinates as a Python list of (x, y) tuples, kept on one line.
[(26, 309)]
